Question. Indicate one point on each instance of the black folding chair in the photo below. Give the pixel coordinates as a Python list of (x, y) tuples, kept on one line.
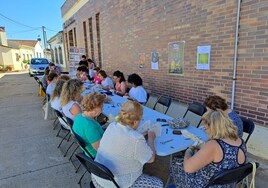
[(96, 169), (232, 176), (164, 101), (197, 109), (69, 123), (248, 127), (82, 145)]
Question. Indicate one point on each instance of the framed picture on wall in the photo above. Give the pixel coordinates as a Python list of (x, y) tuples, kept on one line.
[(176, 57)]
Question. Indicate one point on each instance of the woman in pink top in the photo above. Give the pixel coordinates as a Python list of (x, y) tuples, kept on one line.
[(97, 79), (120, 83)]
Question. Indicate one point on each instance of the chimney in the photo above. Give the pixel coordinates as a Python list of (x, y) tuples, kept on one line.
[(3, 37)]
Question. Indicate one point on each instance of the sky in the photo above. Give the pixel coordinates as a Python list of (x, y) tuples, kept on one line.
[(23, 20)]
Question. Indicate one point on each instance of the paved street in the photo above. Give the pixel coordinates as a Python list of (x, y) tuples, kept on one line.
[(29, 155)]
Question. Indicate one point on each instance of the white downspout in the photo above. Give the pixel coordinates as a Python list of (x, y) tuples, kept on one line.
[(235, 52)]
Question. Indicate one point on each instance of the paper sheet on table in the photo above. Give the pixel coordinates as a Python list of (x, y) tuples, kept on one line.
[(193, 137), (148, 126)]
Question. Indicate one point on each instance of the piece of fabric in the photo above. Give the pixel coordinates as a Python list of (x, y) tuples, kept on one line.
[(200, 178), (89, 130), (124, 151), (48, 112)]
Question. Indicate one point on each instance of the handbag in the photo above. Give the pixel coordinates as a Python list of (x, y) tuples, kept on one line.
[(245, 182)]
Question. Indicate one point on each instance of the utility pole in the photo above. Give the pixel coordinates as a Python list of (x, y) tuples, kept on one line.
[(45, 40)]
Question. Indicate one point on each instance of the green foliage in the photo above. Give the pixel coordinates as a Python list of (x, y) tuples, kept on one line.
[(1, 68), (26, 61)]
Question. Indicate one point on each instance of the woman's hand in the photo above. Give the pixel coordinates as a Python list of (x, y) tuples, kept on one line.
[(151, 135)]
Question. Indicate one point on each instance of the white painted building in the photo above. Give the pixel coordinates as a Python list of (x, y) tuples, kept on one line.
[(57, 50)]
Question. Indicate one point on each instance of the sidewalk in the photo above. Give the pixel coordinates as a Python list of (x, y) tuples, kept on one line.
[(29, 155)]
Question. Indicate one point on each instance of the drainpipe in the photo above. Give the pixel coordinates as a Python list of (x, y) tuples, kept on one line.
[(235, 52)]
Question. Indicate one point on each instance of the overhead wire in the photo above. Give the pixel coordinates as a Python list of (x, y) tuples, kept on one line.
[(18, 22)]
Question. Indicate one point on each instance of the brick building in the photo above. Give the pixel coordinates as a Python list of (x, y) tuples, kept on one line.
[(118, 33)]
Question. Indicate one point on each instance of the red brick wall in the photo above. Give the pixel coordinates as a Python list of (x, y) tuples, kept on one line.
[(132, 27)]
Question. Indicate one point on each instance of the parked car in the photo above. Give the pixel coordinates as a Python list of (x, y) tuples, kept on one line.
[(38, 66)]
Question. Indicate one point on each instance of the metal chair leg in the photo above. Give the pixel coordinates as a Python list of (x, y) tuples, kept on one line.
[(63, 139), (55, 123), (80, 180), (68, 149), (78, 168), (73, 153)]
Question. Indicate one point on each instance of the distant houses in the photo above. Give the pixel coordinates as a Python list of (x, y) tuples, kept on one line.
[(14, 54)]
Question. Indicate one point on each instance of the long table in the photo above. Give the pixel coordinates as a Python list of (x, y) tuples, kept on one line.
[(166, 144)]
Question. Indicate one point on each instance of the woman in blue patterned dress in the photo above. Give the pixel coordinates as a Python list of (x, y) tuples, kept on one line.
[(224, 150)]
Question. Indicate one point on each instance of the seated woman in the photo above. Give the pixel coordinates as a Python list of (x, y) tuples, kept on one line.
[(120, 83), (106, 82), (86, 126), (137, 91), (224, 150), (52, 79), (84, 77), (216, 102), (96, 79), (55, 98), (79, 71), (44, 79), (124, 151), (71, 97)]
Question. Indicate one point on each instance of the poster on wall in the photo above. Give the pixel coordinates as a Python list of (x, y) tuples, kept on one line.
[(203, 57), (141, 60), (154, 60), (74, 58), (176, 57)]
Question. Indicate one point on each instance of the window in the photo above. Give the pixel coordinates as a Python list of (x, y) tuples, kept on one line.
[(85, 37), (40, 54), (31, 56), (27, 56), (91, 38), (36, 54), (56, 56), (71, 39), (17, 57), (98, 38), (60, 55), (66, 43), (23, 56), (75, 41)]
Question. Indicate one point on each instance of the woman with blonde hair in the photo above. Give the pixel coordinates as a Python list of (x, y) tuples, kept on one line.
[(224, 150), (71, 97), (124, 151), (86, 126), (55, 98)]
